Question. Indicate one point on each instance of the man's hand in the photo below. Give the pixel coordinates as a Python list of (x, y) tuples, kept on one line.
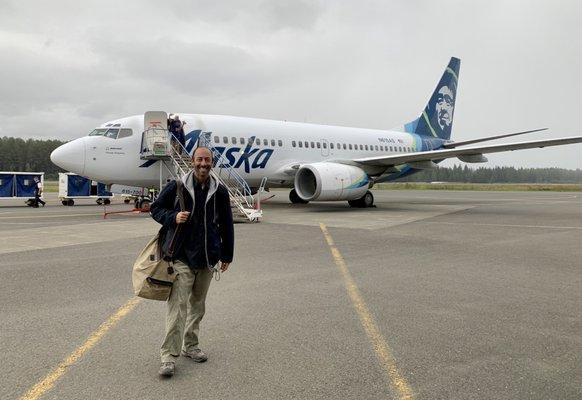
[(223, 266), (182, 217)]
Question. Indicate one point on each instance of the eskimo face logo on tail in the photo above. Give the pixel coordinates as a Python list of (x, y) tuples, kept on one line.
[(444, 107)]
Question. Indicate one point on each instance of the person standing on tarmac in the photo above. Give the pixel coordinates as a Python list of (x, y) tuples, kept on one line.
[(37, 193), (206, 237)]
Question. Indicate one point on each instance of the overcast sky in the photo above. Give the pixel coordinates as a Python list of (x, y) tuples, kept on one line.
[(68, 66)]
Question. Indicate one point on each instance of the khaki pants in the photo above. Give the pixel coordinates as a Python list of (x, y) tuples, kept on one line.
[(186, 307)]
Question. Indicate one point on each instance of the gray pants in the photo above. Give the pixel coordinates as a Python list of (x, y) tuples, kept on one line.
[(186, 307)]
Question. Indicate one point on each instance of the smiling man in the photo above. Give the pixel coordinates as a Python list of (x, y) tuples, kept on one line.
[(205, 237)]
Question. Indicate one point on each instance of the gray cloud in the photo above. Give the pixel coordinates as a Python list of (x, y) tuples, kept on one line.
[(68, 66)]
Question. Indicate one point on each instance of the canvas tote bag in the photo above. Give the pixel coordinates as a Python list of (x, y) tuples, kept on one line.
[(153, 274)]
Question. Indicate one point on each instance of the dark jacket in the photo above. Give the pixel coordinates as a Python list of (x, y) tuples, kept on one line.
[(219, 230)]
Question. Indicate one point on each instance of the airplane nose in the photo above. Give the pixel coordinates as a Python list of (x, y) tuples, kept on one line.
[(70, 156)]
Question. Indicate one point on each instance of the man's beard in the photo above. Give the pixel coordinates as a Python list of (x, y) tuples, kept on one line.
[(444, 118)]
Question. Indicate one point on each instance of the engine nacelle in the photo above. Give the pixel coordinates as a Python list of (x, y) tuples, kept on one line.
[(330, 181)]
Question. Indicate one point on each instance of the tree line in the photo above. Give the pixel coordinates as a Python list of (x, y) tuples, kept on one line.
[(464, 174), (33, 155), (30, 155)]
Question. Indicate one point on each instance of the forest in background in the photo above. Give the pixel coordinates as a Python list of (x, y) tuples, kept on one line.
[(33, 155)]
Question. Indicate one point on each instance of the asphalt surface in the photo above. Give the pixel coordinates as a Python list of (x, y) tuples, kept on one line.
[(477, 295)]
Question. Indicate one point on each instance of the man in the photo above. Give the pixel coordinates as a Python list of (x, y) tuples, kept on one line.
[(37, 193), (176, 128), (204, 236), (444, 107)]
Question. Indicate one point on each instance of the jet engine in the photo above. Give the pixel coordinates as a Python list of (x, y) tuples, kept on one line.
[(330, 181)]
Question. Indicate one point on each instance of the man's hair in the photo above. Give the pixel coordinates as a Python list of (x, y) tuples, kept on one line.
[(201, 147)]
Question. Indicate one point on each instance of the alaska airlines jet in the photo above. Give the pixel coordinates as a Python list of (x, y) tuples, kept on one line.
[(323, 163)]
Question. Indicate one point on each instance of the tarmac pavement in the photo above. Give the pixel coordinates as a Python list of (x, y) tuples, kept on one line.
[(453, 295)]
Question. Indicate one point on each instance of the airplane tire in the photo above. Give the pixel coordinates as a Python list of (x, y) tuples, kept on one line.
[(107, 202), (64, 202), (99, 201), (295, 199), (71, 202), (367, 200), (126, 201)]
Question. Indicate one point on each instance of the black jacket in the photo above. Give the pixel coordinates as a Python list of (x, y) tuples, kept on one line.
[(219, 230)]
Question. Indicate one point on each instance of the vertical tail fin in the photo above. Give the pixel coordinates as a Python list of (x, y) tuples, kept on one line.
[(437, 118)]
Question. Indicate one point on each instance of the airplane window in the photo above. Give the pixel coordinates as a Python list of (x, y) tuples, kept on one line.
[(376, 147), (242, 140), (361, 147), (324, 145), (366, 147), (225, 140), (124, 133), (98, 132), (306, 145), (233, 140), (216, 139), (112, 133), (331, 145), (318, 145), (350, 146), (300, 144), (265, 142), (280, 143), (344, 146), (381, 148), (339, 146), (273, 142), (293, 143), (258, 142)]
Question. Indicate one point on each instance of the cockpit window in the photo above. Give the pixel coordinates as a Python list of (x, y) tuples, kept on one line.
[(112, 133), (98, 132), (124, 133)]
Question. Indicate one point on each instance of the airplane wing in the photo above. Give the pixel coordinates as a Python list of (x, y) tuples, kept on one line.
[(466, 153), (451, 145)]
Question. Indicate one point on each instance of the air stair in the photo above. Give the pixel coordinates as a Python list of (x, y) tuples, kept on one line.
[(156, 145)]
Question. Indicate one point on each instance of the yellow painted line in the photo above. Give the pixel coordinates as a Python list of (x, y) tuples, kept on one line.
[(379, 344), (49, 381)]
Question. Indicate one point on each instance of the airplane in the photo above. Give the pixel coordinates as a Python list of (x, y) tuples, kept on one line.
[(319, 162)]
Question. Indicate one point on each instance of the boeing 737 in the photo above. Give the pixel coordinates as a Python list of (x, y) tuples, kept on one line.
[(319, 162)]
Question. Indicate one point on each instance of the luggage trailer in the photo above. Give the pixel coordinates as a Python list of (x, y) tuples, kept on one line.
[(73, 186), (19, 185)]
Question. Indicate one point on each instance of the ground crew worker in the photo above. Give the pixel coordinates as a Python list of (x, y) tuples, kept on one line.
[(37, 193), (206, 237)]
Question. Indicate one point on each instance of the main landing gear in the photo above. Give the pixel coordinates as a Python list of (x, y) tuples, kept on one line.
[(295, 199), (367, 200)]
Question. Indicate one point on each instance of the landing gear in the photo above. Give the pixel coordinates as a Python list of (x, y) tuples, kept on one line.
[(106, 202), (142, 203), (295, 199), (367, 200)]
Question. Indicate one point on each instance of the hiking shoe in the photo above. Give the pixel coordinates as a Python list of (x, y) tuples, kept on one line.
[(167, 369), (196, 355)]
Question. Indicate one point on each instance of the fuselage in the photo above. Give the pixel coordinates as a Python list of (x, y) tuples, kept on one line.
[(256, 148)]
